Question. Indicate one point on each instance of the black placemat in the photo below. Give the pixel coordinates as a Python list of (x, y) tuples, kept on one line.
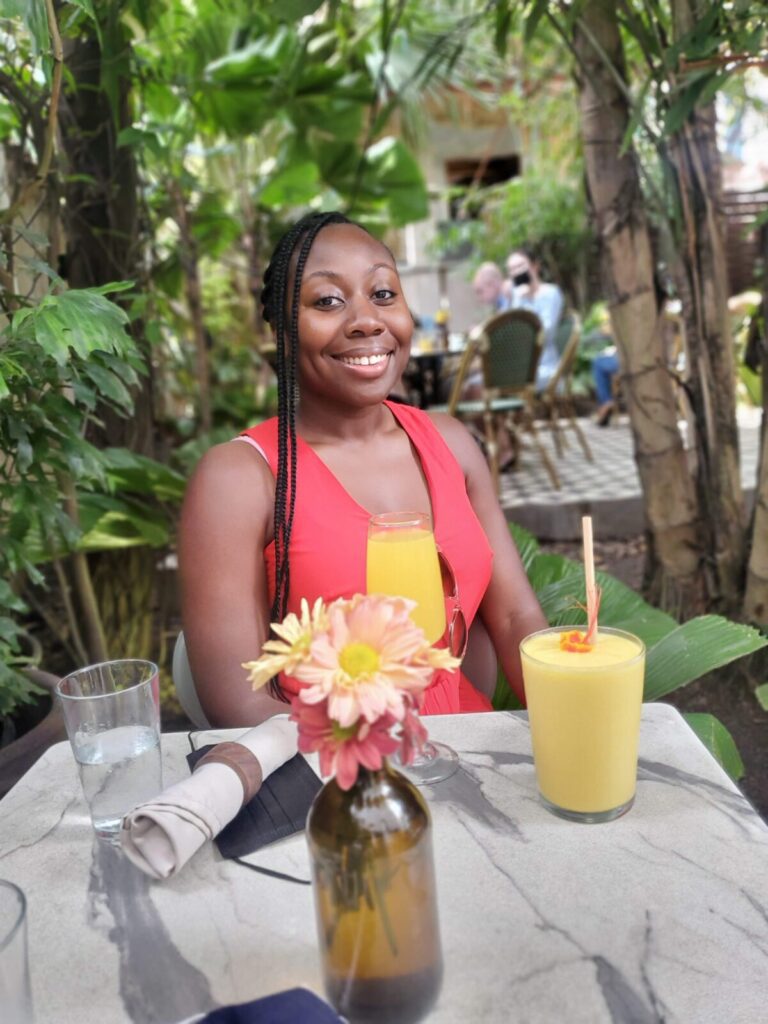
[(278, 810), (296, 1006)]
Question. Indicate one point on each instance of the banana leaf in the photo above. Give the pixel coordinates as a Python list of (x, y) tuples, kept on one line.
[(718, 742), (695, 648)]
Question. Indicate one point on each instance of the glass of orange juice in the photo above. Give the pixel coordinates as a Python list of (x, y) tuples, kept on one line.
[(402, 561), (584, 710)]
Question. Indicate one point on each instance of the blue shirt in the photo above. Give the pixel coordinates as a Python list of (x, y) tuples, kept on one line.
[(547, 304)]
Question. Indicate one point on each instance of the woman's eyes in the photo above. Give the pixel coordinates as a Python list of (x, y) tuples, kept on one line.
[(333, 301)]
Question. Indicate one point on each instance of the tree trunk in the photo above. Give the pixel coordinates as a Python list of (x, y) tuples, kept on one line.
[(702, 279), (679, 581), (756, 596), (101, 212), (103, 245), (193, 292)]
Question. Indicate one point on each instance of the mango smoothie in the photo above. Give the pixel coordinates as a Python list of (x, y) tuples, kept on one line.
[(584, 709)]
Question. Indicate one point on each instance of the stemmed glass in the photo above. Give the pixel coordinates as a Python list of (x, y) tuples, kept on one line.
[(403, 561)]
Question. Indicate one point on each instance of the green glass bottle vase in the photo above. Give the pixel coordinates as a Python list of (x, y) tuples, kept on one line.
[(375, 898)]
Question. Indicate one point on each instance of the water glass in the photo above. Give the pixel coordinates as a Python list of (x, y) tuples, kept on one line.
[(15, 995), (112, 715)]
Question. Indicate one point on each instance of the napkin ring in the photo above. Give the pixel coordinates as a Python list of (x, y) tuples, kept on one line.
[(242, 762)]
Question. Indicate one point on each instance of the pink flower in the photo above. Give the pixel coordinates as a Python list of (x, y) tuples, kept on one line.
[(371, 656), (342, 750)]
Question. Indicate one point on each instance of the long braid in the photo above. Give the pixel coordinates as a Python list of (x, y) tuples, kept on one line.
[(274, 299)]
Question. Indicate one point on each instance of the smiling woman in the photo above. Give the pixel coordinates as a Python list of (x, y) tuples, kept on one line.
[(285, 515)]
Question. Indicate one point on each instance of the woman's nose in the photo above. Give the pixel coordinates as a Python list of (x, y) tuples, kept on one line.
[(363, 318)]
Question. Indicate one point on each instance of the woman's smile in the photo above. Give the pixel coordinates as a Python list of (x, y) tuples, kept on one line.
[(365, 364)]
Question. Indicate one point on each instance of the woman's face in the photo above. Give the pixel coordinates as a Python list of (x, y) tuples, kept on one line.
[(354, 323)]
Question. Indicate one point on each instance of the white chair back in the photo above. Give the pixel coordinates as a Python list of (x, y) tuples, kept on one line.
[(185, 685)]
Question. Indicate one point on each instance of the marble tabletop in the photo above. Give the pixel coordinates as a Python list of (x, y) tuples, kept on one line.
[(659, 916)]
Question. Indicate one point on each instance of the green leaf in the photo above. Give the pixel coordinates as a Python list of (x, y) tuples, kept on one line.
[(295, 185), (536, 13), (12, 8), (718, 741), (622, 608), (394, 170), (127, 471), (109, 386), (85, 5), (526, 543), (262, 60), (135, 137), (694, 649), (120, 524), (762, 696)]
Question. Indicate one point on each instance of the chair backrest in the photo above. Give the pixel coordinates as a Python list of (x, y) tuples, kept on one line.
[(511, 346), (186, 692), (465, 362), (564, 331), (567, 335)]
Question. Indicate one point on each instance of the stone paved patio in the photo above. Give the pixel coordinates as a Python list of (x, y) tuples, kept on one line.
[(608, 489)]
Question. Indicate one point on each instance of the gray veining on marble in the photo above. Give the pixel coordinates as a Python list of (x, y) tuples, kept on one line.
[(661, 916)]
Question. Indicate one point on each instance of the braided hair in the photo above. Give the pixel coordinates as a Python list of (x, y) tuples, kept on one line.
[(284, 318)]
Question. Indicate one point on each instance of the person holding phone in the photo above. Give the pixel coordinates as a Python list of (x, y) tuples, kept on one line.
[(543, 299)]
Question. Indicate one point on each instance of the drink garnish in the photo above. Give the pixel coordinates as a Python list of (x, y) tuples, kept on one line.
[(574, 640)]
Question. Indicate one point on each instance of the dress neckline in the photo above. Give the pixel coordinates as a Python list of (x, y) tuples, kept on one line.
[(423, 464)]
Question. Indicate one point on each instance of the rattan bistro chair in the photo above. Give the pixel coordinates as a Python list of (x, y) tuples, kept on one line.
[(509, 345), (556, 396)]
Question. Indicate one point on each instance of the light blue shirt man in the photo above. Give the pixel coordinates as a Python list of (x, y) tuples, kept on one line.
[(545, 300)]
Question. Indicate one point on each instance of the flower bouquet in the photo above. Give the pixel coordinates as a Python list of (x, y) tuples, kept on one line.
[(361, 667)]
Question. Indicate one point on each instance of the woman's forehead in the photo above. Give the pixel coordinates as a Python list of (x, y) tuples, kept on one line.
[(346, 244)]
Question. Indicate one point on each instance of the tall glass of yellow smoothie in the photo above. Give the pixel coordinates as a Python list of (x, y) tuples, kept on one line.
[(584, 709)]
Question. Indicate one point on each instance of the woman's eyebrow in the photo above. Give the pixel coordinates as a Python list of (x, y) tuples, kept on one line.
[(324, 273), (337, 277)]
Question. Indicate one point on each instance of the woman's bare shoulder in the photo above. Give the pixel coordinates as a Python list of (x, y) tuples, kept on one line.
[(459, 440), (234, 476)]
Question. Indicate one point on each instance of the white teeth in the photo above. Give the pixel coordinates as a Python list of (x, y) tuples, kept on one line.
[(363, 360)]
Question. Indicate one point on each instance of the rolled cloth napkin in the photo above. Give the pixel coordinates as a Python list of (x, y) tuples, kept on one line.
[(161, 835)]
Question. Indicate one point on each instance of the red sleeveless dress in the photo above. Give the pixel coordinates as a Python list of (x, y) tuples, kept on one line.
[(330, 530)]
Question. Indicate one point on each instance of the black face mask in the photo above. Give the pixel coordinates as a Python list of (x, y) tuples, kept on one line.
[(522, 278)]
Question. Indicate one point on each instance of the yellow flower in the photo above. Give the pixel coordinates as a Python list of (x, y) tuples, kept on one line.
[(292, 649)]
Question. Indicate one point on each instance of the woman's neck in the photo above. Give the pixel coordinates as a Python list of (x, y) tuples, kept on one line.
[(318, 423)]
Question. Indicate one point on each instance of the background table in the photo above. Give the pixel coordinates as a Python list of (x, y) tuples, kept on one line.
[(659, 916)]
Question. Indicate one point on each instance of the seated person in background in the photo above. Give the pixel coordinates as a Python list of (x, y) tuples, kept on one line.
[(490, 287), (605, 366), (543, 299), (282, 512)]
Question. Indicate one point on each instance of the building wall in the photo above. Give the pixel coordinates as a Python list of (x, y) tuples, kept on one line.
[(479, 134)]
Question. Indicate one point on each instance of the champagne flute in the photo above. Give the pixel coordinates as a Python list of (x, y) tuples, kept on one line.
[(402, 561)]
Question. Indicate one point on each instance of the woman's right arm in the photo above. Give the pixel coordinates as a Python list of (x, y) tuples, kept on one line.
[(226, 522)]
